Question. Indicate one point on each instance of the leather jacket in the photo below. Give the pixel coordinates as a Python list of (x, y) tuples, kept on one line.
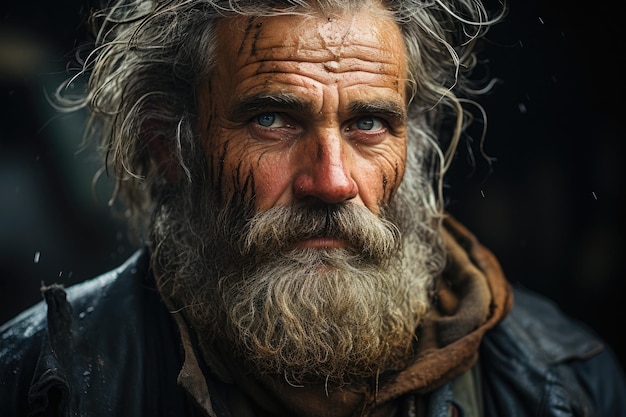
[(109, 347)]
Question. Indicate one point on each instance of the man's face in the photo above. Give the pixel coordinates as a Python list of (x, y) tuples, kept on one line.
[(307, 110)]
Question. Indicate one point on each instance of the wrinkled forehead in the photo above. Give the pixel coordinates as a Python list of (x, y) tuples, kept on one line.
[(316, 36)]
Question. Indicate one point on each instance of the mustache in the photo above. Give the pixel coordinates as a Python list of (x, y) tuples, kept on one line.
[(279, 229)]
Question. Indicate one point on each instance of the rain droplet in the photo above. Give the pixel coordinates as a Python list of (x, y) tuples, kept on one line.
[(37, 256), (84, 313)]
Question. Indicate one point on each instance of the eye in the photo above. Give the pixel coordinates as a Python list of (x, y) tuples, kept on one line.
[(369, 123), (270, 120), (367, 130), (273, 126)]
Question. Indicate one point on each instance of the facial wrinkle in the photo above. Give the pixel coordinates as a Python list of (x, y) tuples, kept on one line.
[(245, 36), (385, 181), (320, 152), (393, 186), (390, 187), (257, 34), (247, 185), (219, 179)]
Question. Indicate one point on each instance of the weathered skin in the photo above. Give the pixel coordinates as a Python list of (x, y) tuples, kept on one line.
[(307, 109)]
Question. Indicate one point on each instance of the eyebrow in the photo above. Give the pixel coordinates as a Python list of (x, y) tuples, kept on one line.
[(389, 108), (248, 106)]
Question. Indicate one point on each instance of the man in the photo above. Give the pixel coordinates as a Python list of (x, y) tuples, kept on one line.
[(286, 160)]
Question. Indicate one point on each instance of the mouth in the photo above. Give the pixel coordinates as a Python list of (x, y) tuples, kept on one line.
[(321, 242)]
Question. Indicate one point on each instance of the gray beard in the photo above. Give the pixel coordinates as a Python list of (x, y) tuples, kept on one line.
[(331, 316)]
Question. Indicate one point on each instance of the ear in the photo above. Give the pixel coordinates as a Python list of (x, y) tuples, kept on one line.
[(162, 156)]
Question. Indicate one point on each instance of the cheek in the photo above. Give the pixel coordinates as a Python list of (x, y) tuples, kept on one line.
[(241, 172), (380, 181), (391, 180), (230, 174), (272, 184)]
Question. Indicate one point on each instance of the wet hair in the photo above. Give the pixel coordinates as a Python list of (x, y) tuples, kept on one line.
[(151, 55)]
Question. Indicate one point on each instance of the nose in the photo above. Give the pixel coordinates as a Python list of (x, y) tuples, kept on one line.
[(325, 172)]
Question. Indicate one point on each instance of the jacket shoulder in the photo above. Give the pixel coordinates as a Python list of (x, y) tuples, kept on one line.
[(546, 332), (20, 343), (25, 338), (541, 362), (84, 342)]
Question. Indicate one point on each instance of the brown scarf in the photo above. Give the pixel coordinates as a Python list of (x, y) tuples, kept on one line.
[(473, 296)]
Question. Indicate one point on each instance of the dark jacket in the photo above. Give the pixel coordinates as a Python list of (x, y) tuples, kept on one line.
[(112, 349)]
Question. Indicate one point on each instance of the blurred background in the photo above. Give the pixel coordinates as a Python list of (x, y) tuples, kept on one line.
[(550, 207)]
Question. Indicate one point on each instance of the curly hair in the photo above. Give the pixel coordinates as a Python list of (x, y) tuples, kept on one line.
[(150, 55)]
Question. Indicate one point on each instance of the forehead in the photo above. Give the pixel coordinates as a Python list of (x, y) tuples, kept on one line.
[(322, 47), (315, 31)]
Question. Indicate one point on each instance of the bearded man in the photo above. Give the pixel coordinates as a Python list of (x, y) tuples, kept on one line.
[(286, 160)]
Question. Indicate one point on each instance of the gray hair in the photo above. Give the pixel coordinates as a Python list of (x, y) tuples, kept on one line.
[(151, 55)]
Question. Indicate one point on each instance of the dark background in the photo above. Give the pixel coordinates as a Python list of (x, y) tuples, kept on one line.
[(551, 209)]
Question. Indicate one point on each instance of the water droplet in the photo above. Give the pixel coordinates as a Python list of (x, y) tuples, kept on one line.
[(37, 256)]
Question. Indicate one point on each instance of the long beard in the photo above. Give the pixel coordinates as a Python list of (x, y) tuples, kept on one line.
[(332, 316)]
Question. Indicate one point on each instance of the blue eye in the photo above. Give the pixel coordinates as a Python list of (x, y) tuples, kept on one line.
[(266, 119), (271, 120), (369, 123)]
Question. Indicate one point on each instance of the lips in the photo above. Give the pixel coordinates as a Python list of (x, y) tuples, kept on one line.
[(321, 242)]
